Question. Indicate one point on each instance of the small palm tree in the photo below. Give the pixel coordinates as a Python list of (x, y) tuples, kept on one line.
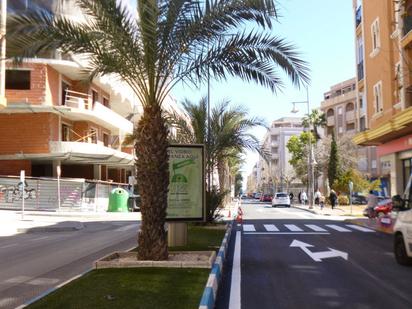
[(315, 120), (165, 43)]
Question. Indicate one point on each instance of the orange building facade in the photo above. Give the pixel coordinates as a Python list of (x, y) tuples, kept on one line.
[(384, 85)]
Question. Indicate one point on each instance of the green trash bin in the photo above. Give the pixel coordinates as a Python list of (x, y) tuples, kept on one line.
[(118, 200)]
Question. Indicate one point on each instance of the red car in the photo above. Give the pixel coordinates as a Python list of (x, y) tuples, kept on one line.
[(383, 208), (266, 198)]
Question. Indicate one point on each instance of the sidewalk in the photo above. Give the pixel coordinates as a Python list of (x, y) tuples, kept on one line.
[(12, 223)]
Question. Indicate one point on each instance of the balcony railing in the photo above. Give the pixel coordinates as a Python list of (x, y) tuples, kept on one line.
[(358, 17), (350, 116), (407, 24), (360, 71), (76, 99)]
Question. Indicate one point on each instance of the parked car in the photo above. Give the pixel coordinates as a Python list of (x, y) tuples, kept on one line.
[(359, 199), (281, 199), (266, 198), (258, 195), (403, 229)]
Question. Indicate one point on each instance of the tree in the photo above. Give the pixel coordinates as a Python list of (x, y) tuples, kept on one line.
[(298, 148), (314, 121), (360, 184), (333, 166), (165, 43), (238, 183)]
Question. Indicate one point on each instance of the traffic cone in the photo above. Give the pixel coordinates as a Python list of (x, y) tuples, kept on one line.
[(239, 217)]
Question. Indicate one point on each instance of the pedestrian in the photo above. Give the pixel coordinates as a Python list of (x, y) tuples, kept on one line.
[(322, 201), (300, 197), (333, 198), (291, 197), (304, 198), (317, 197)]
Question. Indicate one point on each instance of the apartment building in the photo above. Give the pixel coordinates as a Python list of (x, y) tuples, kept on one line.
[(251, 185), (384, 84), (343, 115), (275, 172)]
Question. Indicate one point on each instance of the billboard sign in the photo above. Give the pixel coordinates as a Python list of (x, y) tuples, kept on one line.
[(186, 196)]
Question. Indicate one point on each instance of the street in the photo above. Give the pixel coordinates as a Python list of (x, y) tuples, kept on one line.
[(290, 258), (33, 263)]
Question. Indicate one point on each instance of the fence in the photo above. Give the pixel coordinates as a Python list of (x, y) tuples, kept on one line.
[(41, 194)]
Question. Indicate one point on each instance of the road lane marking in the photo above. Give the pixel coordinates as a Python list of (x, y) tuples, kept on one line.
[(293, 228), (286, 233), (270, 227), (248, 228), (8, 246), (40, 238), (315, 228), (318, 256), (234, 301), (360, 228), (127, 227), (338, 228)]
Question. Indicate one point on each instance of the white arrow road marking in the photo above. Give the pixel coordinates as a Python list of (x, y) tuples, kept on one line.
[(318, 256)]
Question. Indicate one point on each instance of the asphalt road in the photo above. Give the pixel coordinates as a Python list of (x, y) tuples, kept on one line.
[(289, 258), (33, 263)]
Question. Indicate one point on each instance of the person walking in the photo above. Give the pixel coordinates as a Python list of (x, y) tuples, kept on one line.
[(317, 197), (291, 197), (333, 198), (300, 197), (304, 197)]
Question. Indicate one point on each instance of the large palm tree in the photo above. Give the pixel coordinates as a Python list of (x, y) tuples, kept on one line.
[(166, 42)]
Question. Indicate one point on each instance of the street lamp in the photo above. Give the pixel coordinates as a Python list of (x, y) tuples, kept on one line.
[(311, 157)]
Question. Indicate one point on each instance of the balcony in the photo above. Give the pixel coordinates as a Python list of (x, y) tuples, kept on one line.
[(358, 16), (360, 71), (350, 116), (89, 153), (330, 121), (274, 144), (274, 156), (78, 107)]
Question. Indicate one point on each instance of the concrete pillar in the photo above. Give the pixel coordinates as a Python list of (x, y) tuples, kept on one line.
[(97, 172), (3, 17), (177, 234)]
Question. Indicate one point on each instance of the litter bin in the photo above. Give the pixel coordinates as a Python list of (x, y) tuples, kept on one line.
[(118, 200)]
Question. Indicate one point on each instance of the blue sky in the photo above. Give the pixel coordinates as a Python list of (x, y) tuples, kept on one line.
[(323, 31)]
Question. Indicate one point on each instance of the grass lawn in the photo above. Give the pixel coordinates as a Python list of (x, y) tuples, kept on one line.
[(202, 238), (131, 288), (167, 288)]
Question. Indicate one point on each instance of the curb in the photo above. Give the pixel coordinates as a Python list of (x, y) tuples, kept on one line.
[(209, 294), (305, 209), (75, 227)]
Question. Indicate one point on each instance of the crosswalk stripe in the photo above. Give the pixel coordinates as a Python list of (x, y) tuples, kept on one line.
[(293, 228), (270, 227), (248, 228), (315, 228), (360, 228), (338, 228)]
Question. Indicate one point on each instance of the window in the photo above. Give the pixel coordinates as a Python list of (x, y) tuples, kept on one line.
[(106, 102), (18, 79), (65, 133), (377, 95), (106, 139), (362, 124), (339, 110), (95, 97), (376, 43), (340, 130), (350, 127), (92, 135)]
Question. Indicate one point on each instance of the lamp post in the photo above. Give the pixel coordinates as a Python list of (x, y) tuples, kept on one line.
[(311, 159)]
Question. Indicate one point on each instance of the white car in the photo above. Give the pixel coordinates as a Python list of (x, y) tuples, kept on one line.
[(281, 199), (403, 230)]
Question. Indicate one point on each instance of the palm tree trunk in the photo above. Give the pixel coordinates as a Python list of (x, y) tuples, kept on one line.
[(152, 179), (221, 172)]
